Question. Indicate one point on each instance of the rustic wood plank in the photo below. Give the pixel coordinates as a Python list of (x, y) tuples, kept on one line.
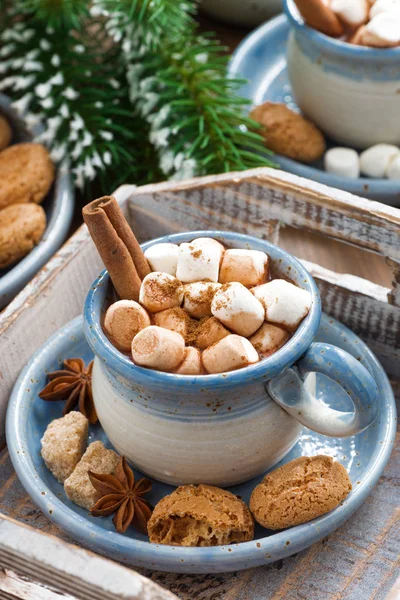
[(45, 560), (15, 586)]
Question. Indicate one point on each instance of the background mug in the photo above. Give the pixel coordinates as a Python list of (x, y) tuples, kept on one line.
[(227, 428)]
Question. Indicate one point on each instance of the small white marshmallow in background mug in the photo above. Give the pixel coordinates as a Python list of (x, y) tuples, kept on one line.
[(238, 309), (248, 267), (198, 263), (351, 13), (197, 298), (268, 339), (123, 320), (191, 364), (158, 348), (175, 319), (160, 291), (285, 303), (393, 170), (384, 6), (342, 161), (163, 257), (209, 332), (375, 161), (231, 353), (383, 31)]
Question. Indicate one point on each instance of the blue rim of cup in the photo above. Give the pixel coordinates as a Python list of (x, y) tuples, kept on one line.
[(265, 369), (333, 45)]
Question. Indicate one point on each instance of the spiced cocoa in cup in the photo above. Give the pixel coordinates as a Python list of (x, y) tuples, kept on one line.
[(223, 428)]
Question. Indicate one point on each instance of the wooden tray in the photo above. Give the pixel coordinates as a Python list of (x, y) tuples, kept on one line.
[(261, 202)]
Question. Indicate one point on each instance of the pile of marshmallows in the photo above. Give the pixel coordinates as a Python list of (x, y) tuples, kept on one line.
[(381, 160), (205, 309), (373, 23)]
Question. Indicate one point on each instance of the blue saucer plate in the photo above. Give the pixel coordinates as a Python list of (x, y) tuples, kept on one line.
[(261, 60), (364, 456), (59, 208)]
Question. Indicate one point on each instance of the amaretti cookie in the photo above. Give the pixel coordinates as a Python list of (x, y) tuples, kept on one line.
[(97, 459), (64, 443), (289, 133), (299, 491), (201, 515), (5, 133), (26, 174), (21, 228)]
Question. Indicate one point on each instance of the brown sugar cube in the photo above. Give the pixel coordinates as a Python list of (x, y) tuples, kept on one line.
[(63, 444), (268, 339), (97, 459), (175, 319), (299, 491), (201, 515), (209, 332), (288, 133), (191, 364), (26, 174), (5, 133)]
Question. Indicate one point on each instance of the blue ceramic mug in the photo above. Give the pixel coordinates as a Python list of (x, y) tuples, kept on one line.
[(227, 428)]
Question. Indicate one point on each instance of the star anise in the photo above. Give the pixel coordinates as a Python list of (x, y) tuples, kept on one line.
[(122, 496), (73, 384)]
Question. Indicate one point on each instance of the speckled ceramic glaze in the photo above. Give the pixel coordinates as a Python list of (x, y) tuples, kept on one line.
[(222, 429), (351, 92), (364, 457)]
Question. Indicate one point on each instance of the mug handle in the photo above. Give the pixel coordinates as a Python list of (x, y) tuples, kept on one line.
[(289, 391)]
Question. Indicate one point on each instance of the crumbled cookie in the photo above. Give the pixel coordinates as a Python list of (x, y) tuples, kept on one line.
[(21, 228), (63, 444), (26, 174), (288, 133), (299, 491), (5, 133), (201, 515), (97, 459)]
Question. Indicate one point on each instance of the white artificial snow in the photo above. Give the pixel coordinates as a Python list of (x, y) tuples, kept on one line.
[(43, 89), (150, 100), (57, 79), (77, 123), (6, 50), (202, 57), (77, 151), (106, 135), (79, 49), (107, 158), (47, 102), (21, 105), (55, 60), (187, 170), (99, 104), (45, 45), (167, 162), (33, 54), (31, 65), (159, 137), (64, 111), (70, 93), (58, 152), (87, 139), (115, 84)]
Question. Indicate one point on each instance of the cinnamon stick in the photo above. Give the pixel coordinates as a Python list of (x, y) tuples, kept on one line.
[(117, 246)]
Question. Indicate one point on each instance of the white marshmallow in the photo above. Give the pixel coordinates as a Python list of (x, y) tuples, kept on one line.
[(160, 291), (344, 162), (237, 308), (285, 303), (384, 6), (210, 332), (198, 263), (191, 364), (268, 339), (175, 319), (158, 348), (383, 31), (207, 241), (231, 353), (123, 320), (163, 257), (352, 13), (375, 160), (197, 298), (393, 170), (249, 267)]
